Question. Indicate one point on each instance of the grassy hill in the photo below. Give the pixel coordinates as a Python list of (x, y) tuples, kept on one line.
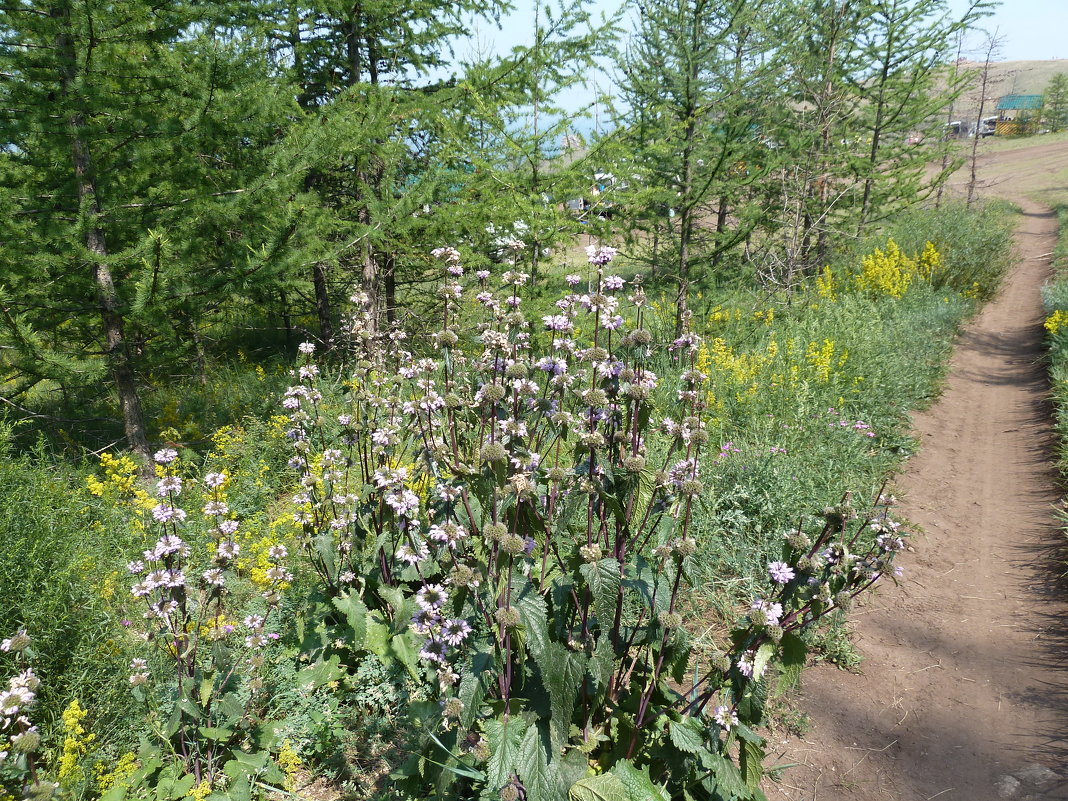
[(1006, 77)]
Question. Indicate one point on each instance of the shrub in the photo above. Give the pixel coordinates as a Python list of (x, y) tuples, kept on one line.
[(509, 518)]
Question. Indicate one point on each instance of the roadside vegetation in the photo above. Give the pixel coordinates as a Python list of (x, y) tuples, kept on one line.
[(1055, 299), (293, 654), (332, 459)]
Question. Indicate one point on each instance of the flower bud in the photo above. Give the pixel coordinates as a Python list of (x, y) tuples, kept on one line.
[(493, 452), (512, 544), (507, 617), (495, 531), (590, 553)]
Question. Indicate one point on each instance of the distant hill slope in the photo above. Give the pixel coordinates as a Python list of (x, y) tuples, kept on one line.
[(1006, 78)]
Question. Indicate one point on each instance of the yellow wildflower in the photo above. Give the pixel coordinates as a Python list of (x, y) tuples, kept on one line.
[(76, 742), (1056, 321)]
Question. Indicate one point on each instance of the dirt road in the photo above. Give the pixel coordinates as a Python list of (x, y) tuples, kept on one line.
[(963, 692)]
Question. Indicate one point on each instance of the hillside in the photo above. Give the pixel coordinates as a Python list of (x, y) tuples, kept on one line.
[(1006, 77)]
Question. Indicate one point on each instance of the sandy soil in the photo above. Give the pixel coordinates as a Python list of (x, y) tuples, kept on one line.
[(963, 692)]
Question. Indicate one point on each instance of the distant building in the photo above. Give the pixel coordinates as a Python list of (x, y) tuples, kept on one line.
[(1018, 115)]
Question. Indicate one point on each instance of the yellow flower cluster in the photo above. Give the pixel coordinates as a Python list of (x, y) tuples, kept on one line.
[(721, 315), (120, 475), (76, 742), (822, 358), (289, 761), (825, 284), (1056, 321), (118, 776), (930, 262), (886, 272)]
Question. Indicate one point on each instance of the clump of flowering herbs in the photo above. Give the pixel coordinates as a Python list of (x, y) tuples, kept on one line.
[(210, 651), (20, 739), (509, 514)]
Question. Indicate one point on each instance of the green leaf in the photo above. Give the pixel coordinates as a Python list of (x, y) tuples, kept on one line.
[(686, 736), (356, 615), (407, 654), (751, 705), (606, 787), (532, 612), (751, 763), (377, 638), (533, 767), (763, 656), (207, 685), (639, 784), (504, 739), (562, 672), (240, 789), (603, 580), (729, 782), (473, 686), (603, 662), (215, 733), (320, 674), (793, 656)]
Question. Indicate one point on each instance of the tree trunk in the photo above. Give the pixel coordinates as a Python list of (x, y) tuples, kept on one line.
[(389, 286), (322, 305), (119, 359)]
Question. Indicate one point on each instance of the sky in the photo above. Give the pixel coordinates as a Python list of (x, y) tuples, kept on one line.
[(1029, 30), (1032, 29)]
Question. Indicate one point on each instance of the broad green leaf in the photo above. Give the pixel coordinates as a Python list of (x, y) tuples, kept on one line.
[(751, 763), (603, 662), (729, 781), (532, 611), (562, 672), (639, 784), (473, 686), (207, 685), (356, 615), (215, 733), (240, 789), (751, 705), (603, 580), (793, 656), (763, 656), (686, 736), (407, 654), (534, 768), (504, 739), (377, 638), (320, 674), (605, 787)]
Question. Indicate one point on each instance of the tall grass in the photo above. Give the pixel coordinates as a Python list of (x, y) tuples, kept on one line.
[(61, 579)]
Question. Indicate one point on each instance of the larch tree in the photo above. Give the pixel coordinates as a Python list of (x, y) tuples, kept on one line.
[(140, 149)]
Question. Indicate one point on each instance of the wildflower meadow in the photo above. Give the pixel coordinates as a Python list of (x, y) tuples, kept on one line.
[(550, 547)]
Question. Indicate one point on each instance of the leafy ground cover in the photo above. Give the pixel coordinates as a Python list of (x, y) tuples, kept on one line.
[(565, 553)]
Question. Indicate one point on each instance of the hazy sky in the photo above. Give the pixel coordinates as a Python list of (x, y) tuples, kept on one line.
[(1029, 29), (1032, 29)]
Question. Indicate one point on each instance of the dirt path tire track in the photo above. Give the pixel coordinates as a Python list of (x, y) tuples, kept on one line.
[(965, 678)]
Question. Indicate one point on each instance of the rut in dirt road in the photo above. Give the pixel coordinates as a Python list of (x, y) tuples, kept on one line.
[(963, 694)]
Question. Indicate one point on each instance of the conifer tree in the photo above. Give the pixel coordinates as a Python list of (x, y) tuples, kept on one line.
[(141, 173), (1055, 102), (694, 80)]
